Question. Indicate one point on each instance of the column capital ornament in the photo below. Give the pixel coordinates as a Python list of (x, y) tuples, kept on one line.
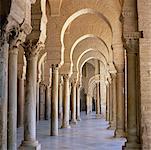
[(15, 36), (65, 76), (32, 48)]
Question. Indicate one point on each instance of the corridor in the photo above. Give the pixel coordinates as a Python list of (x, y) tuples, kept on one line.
[(89, 134)]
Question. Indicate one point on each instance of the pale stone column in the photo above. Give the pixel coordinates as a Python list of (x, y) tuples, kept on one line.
[(110, 103), (132, 137), (60, 99), (100, 96), (21, 100), (54, 101), (47, 111), (12, 98), (3, 92), (29, 141), (120, 111), (97, 100), (107, 101), (37, 102), (120, 125), (42, 101), (113, 122), (66, 102), (78, 103), (73, 103)]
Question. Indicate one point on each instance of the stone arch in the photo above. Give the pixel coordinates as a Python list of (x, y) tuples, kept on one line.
[(76, 15)]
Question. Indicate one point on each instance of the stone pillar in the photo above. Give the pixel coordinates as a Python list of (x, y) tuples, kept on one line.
[(132, 137), (12, 99), (73, 103), (54, 101), (29, 141), (60, 99), (21, 96), (120, 111), (110, 103), (113, 122), (47, 105), (42, 101), (3, 92), (120, 125), (37, 102), (97, 100), (100, 96), (107, 101), (66, 102), (78, 103)]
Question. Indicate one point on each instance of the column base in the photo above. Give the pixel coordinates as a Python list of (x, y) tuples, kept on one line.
[(119, 133), (66, 126), (78, 119), (98, 116), (131, 146), (30, 145), (112, 126), (74, 122)]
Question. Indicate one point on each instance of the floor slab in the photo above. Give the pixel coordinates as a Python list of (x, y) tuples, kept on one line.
[(89, 134)]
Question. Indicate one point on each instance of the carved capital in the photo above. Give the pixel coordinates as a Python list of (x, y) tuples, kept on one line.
[(32, 48), (65, 77), (131, 46)]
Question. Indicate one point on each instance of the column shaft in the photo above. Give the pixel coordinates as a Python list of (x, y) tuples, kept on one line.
[(73, 103), (37, 101), (107, 102), (78, 103), (60, 100), (3, 93), (97, 100), (47, 106), (132, 139), (21, 96), (12, 99), (42, 101), (120, 125), (66, 102), (113, 122), (29, 141), (111, 103), (54, 101)]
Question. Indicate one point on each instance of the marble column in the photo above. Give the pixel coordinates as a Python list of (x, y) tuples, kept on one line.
[(110, 104), (97, 100), (66, 102), (78, 103), (42, 101), (37, 102), (107, 101), (120, 124), (100, 96), (113, 122), (3, 92), (47, 105), (73, 103), (29, 141), (54, 101), (12, 99), (132, 137), (21, 96), (60, 99)]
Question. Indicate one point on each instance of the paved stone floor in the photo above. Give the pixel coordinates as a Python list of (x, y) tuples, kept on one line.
[(88, 134)]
